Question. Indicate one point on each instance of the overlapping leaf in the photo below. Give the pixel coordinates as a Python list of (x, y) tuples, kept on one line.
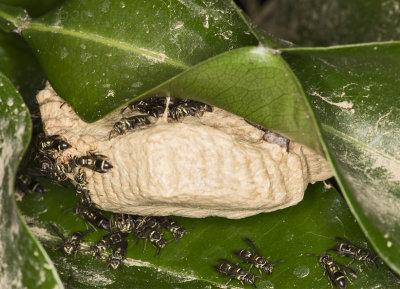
[(24, 262), (355, 93)]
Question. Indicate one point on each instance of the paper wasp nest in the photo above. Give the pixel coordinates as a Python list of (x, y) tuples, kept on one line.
[(213, 165)]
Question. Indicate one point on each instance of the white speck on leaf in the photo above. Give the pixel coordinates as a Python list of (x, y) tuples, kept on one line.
[(10, 102), (110, 93)]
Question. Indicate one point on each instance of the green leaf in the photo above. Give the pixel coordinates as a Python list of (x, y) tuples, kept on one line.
[(287, 234), (354, 91), (35, 8), (10, 17), (253, 82), (24, 263), (105, 55), (96, 85), (322, 23), (18, 63)]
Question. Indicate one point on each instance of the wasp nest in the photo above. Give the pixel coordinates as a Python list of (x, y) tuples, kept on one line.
[(213, 165)]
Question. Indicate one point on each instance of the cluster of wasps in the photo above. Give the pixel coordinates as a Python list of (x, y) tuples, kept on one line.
[(338, 273), (252, 257), (155, 107), (118, 227)]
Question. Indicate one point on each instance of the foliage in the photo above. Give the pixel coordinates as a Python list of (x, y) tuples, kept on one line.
[(339, 100)]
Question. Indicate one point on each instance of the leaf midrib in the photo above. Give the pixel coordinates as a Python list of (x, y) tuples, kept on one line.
[(350, 139), (108, 42), (26, 25)]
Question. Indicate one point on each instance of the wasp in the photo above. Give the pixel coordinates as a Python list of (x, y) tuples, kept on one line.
[(82, 189), (117, 256), (129, 123), (272, 137), (123, 223), (235, 272), (153, 106), (48, 167), (117, 237), (28, 184), (52, 142), (347, 249), (93, 162), (94, 217), (155, 237), (179, 108), (176, 230), (72, 243), (337, 273), (100, 247), (255, 258), (150, 222)]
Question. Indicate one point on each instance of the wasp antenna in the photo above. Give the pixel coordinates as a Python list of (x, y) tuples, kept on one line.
[(87, 232), (280, 261), (57, 231), (170, 240), (67, 210)]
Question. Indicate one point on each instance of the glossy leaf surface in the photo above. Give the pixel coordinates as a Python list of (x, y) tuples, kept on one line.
[(18, 63), (104, 55), (231, 81), (286, 234), (355, 94), (35, 8), (23, 261), (323, 23)]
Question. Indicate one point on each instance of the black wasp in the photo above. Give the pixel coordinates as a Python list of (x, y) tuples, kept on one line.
[(72, 243), (106, 242), (179, 108), (52, 142), (28, 184), (82, 189), (123, 223), (337, 273), (347, 249), (100, 247), (93, 161), (117, 256), (235, 272), (255, 258), (94, 217), (129, 123), (154, 236), (272, 137), (153, 106), (176, 230), (48, 167)]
